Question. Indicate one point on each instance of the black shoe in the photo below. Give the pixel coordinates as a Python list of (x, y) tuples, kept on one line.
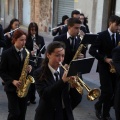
[(33, 102), (98, 113), (28, 103), (107, 118)]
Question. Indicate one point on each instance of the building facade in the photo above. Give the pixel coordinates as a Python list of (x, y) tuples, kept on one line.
[(48, 13)]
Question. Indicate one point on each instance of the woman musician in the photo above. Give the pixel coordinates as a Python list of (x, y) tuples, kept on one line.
[(12, 62), (8, 32), (36, 45), (35, 42), (52, 86)]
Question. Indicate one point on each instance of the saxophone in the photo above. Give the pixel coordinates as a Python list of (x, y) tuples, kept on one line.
[(26, 80)]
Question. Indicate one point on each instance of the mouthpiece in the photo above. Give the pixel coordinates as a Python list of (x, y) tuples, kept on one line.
[(62, 66)]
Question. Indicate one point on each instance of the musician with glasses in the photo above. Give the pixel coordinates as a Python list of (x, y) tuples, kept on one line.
[(36, 45), (14, 23), (11, 66), (52, 86), (101, 50)]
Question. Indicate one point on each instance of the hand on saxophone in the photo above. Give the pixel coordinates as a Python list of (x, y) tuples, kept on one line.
[(80, 56), (29, 68), (17, 83), (108, 60)]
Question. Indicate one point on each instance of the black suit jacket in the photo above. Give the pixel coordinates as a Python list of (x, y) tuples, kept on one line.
[(39, 41), (68, 52), (103, 47), (116, 63), (116, 59), (11, 67), (2, 39), (50, 92)]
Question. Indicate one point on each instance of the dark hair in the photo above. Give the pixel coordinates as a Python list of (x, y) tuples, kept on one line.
[(31, 25), (18, 33), (74, 12), (114, 18), (50, 49), (64, 18), (85, 18), (72, 21), (10, 25)]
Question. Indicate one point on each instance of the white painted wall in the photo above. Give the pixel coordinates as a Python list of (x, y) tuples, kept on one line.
[(99, 16), (85, 6), (117, 11), (26, 12)]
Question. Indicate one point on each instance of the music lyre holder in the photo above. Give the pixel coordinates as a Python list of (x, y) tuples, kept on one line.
[(37, 57), (89, 38), (78, 66)]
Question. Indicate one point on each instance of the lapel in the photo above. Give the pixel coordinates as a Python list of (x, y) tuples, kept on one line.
[(15, 53), (50, 76), (108, 39)]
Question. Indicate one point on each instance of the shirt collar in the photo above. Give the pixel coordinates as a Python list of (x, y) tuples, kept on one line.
[(18, 49), (53, 70), (111, 33), (68, 35)]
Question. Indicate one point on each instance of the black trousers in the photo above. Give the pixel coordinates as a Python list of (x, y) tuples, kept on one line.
[(31, 93), (117, 100), (108, 82), (16, 106)]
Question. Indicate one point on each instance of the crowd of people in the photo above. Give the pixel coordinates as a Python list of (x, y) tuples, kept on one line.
[(21, 57)]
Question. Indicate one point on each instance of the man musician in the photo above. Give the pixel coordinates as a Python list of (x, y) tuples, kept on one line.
[(101, 50)]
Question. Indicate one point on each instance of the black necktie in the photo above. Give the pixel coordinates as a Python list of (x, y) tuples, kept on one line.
[(56, 75), (72, 43), (19, 54), (113, 40)]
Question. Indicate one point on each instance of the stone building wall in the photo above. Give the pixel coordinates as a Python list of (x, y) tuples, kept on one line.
[(41, 14)]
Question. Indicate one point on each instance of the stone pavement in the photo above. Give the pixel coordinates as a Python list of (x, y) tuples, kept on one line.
[(84, 111)]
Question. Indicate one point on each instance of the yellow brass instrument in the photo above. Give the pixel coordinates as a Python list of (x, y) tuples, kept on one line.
[(92, 93), (26, 80), (112, 67), (79, 84)]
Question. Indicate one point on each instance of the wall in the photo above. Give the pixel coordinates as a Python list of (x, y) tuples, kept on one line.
[(88, 7), (117, 11), (98, 24), (26, 12), (41, 13)]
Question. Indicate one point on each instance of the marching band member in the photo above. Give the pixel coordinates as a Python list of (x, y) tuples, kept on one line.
[(14, 23), (101, 50), (34, 44), (72, 43), (116, 63), (84, 21), (52, 86), (12, 62), (59, 30)]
